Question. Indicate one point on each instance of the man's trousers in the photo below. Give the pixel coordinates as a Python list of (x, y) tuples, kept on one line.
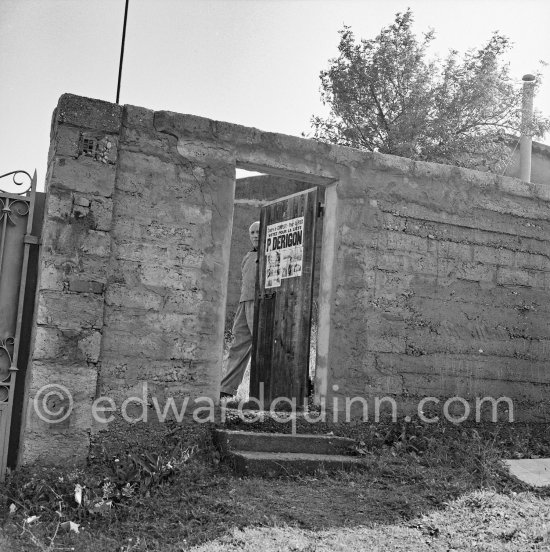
[(239, 353)]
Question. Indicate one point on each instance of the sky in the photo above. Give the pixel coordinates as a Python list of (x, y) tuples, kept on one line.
[(251, 62)]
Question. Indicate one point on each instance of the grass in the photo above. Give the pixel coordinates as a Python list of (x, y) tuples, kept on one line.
[(162, 487), (481, 520)]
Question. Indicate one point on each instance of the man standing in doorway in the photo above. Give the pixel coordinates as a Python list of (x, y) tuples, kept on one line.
[(241, 348)]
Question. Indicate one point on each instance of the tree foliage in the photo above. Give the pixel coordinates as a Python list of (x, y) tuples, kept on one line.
[(385, 95)]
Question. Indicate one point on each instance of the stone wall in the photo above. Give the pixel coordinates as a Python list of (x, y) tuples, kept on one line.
[(74, 259), (443, 287), (133, 275), (540, 163), (166, 289), (433, 279)]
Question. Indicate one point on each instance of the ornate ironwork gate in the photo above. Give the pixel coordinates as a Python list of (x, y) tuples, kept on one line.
[(16, 236)]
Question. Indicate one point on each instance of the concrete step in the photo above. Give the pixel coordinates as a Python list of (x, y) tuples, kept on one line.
[(270, 464), (231, 440), (534, 471)]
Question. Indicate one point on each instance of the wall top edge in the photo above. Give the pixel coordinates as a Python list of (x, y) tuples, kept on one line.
[(90, 113), (286, 155)]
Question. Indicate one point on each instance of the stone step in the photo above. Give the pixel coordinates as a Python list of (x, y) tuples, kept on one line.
[(231, 440), (534, 471), (271, 464)]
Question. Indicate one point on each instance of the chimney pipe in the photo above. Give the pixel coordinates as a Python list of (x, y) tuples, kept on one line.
[(526, 139)]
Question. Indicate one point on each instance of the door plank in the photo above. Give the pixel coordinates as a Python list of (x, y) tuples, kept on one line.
[(280, 352)]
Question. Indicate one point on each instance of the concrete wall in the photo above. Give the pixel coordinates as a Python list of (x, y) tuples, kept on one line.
[(540, 163), (168, 268), (443, 285), (434, 279), (133, 272), (74, 261)]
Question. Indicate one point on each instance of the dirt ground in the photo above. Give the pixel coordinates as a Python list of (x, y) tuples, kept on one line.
[(421, 488), (479, 521)]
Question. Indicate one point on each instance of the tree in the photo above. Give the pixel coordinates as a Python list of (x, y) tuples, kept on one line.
[(385, 96)]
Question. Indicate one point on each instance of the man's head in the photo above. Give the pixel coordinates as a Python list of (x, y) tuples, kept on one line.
[(254, 233)]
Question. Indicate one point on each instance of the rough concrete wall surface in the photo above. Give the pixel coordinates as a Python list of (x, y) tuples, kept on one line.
[(166, 287), (133, 268), (443, 285), (75, 252), (434, 279), (540, 164)]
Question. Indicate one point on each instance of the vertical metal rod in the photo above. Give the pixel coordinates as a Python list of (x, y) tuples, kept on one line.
[(6, 409), (23, 284), (6, 212), (526, 140), (122, 51)]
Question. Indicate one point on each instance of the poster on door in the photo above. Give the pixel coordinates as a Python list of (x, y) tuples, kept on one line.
[(283, 251)]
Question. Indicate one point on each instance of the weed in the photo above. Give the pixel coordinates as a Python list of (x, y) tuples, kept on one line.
[(161, 487)]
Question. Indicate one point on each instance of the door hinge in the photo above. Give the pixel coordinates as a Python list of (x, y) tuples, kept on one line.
[(320, 209), (267, 295)]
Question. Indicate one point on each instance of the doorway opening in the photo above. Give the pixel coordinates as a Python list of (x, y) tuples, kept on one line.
[(253, 191)]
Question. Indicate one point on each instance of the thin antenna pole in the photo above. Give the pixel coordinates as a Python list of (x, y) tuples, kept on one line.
[(122, 51)]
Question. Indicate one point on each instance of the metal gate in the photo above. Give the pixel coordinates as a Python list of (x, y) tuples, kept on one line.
[(17, 210)]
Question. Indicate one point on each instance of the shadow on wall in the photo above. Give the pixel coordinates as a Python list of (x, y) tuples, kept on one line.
[(540, 163)]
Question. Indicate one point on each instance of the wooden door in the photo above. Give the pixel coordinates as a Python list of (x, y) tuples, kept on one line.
[(282, 317)]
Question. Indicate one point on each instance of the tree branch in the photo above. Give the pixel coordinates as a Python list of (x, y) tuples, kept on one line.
[(379, 107)]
